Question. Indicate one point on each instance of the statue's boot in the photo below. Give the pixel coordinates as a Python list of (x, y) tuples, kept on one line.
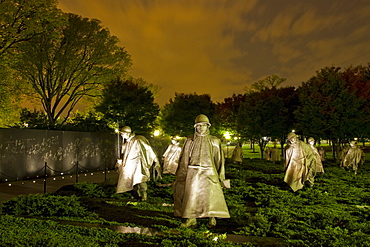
[(191, 222), (212, 222)]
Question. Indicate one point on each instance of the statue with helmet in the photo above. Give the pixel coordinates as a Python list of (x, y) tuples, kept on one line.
[(298, 160), (316, 163), (171, 157), (200, 177), (137, 158), (353, 157)]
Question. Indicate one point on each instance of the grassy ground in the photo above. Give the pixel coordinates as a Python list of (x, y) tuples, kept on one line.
[(255, 153), (264, 212)]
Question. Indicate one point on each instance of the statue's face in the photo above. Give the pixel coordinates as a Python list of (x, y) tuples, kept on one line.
[(125, 135), (201, 128), (293, 139), (311, 142)]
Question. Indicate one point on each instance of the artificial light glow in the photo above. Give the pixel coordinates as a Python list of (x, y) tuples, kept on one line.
[(227, 135), (156, 133)]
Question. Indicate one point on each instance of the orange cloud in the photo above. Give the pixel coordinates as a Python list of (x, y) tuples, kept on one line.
[(220, 46)]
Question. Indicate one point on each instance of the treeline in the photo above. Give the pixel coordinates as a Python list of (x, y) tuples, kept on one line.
[(60, 60)]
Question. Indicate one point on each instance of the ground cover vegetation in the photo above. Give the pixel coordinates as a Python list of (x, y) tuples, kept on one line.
[(264, 212)]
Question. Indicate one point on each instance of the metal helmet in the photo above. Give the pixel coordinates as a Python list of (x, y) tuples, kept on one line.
[(311, 139), (291, 135), (202, 119), (126, 129)]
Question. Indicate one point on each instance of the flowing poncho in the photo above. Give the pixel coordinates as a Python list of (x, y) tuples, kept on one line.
[(137, 158), (171, 159), (197, 189), (297, 157)]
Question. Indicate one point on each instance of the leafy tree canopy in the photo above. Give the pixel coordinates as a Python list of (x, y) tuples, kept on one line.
[(272, 81), (129, 102), (88, 122), (266, 114), (227, 114), (177, 117), (70, 64), (32, 119), (21, 20), (329, 108)]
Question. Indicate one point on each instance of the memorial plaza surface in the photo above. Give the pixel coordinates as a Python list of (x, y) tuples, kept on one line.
[(9, 190)]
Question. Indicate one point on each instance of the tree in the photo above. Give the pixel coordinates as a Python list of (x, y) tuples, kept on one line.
[(271, 81), (32, 119), (177, 117), (227, 112), (129, 103), (358, 81), (21, 20), (261, 115), (61, 70), (90, 121), (267, 113), (9, 98), (329, 108)]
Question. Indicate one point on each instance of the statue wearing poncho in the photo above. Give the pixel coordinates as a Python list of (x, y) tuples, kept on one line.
[(197, 189), (353, 157), (171, 157), (298, 157), (137, 159)]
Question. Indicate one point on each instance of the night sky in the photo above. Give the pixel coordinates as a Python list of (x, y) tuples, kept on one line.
[(220, 47)]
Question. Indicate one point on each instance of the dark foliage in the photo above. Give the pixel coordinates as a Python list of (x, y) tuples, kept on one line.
[(264, 210)]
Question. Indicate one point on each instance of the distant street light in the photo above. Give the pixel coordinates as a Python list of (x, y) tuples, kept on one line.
[(227, 136), (156, 133)]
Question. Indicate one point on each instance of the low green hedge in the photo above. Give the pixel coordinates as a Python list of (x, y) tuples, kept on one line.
[(335, 212)]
